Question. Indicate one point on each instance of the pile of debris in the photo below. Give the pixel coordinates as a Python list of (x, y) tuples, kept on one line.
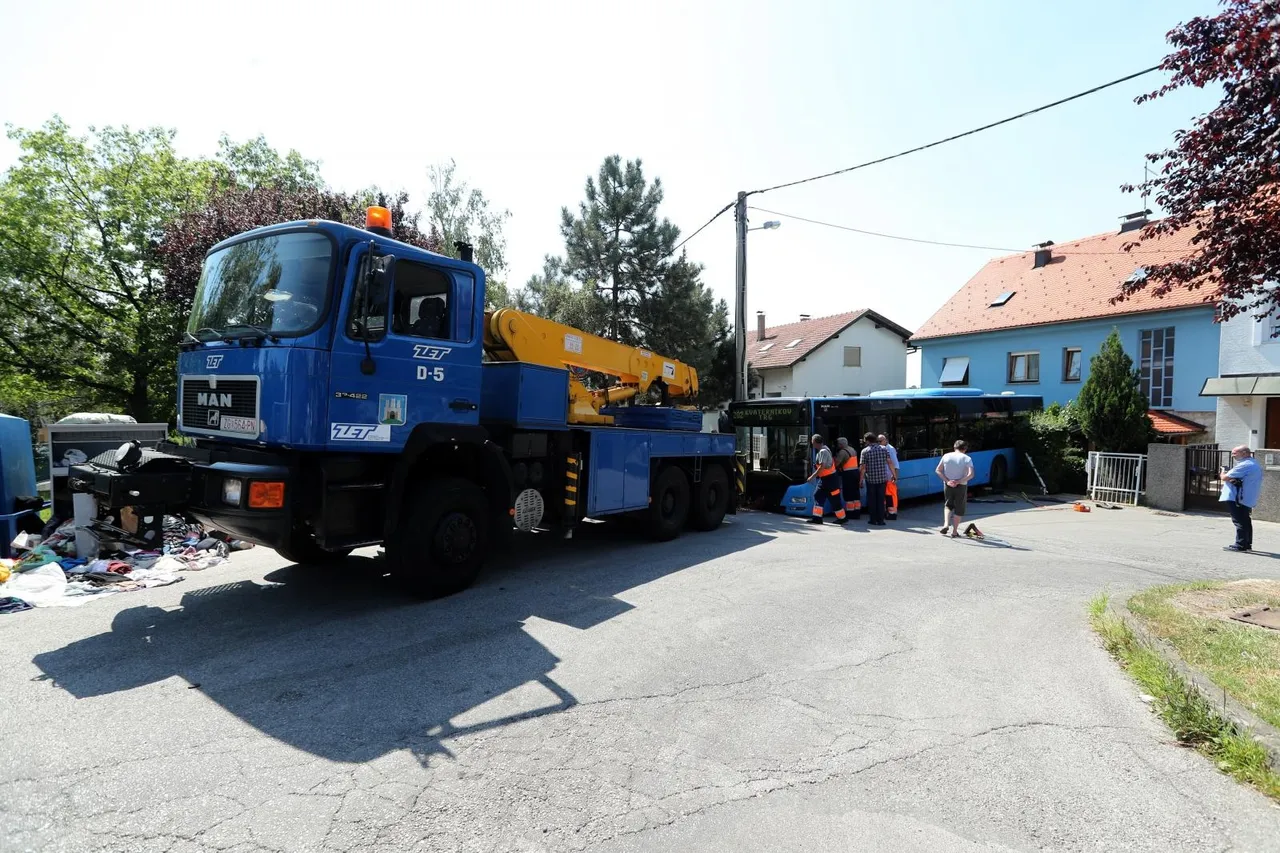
[(50, 573)]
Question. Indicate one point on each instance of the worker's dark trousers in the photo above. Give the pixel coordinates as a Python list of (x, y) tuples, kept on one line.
[(829, 493), (852, 492)]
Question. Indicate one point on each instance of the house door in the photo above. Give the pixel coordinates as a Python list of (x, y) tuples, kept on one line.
[(1272, 431)]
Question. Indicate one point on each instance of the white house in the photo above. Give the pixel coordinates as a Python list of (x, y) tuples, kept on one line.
[(1247, 386), (850, 354)]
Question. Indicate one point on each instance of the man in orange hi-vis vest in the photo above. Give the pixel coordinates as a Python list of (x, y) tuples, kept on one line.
[(847, 463), (824, 470)]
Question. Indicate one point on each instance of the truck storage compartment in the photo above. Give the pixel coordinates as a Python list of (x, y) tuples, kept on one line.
[(528, 396)]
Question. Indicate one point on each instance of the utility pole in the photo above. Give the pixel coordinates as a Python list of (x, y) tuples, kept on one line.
[(740, 302)]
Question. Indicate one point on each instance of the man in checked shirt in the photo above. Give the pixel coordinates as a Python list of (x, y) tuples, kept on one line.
[(877, 469)]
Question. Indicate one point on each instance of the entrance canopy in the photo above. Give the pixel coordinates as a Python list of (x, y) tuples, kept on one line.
[(1247, 385)]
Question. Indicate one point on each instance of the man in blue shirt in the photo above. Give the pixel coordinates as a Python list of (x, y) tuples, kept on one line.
[(1241, 487)]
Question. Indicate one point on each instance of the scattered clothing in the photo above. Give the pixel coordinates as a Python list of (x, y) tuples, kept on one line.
[(9, 604)]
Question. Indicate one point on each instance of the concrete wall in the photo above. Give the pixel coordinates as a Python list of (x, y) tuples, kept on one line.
[(1167, 478), (1196, 342), (1246, 347), (822, 372), (1166, 475)]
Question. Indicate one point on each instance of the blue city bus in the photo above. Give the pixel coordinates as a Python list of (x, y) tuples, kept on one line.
[(921, 423)]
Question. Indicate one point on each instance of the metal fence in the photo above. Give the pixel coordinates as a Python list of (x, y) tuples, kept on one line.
[(1117, 477)]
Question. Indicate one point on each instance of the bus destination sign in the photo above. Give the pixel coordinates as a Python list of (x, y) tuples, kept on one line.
[(767, 415)]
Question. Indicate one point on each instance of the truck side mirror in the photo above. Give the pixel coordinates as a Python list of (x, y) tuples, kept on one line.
[(378, 285)]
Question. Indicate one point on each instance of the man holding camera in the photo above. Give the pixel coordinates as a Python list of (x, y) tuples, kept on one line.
[(1241, 487)]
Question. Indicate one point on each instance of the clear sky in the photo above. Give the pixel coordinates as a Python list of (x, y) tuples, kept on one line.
[(713, 96)]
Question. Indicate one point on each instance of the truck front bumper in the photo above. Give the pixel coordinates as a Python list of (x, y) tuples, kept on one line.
[(250, 500), (220, 500)]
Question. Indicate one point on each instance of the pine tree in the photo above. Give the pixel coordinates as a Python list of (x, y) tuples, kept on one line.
[(1111, 407), (635, 291)]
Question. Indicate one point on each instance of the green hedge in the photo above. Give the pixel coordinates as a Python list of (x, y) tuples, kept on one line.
[(1056, 442)]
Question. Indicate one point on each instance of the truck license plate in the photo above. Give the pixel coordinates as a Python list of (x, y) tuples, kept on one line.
[(245, 425)]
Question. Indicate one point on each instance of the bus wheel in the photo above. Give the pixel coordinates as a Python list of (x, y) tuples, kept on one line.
[(710, 499), (442, 538), (999, 474), (668, 504)]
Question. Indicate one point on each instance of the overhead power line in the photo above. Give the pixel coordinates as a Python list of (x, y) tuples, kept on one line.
[(887, 236), (1058, 250), (915, 150), (717, 215), (954, 137)]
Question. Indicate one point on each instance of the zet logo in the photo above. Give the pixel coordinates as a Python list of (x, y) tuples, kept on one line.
[(213, 362), (359, 432), (427, 352)]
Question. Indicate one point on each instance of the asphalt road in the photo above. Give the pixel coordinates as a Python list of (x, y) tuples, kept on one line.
[(767, 686)]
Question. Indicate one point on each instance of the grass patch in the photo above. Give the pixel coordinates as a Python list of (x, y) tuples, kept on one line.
[(1243, 660), (1192, 718)]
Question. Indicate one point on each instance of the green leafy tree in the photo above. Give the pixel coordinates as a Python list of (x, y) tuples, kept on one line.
[(254, 163), (459, 212), (1111, 407), (82, 304), (619, 246)]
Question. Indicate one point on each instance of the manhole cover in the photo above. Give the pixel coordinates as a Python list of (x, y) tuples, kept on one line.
[(1265, 617)]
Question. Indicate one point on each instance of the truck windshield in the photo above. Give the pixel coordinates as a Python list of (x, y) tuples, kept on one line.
[(276, 284)]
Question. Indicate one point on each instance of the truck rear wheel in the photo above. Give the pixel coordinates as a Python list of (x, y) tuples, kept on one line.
[(710, 499), (303, 550), (441, 540), (668, 504)]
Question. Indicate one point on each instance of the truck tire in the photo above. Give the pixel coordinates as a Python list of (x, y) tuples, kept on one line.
[(710, 499), (441, 540), (303, 550), (668, 504)]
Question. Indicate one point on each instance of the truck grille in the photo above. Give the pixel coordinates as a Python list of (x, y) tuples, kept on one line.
[(229, 408)]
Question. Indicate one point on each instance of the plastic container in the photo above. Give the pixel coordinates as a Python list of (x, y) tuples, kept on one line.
[(17, 460)]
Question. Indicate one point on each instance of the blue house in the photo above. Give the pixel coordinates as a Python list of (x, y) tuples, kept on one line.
[(1031, 322)]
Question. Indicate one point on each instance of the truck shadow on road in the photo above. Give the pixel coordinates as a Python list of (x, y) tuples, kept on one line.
[(340, 663)]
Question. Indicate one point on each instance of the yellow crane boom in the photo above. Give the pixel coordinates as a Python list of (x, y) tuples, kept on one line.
[(511, 335)]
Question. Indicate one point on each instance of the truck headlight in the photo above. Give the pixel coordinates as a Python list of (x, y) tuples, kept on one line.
[(231, 492)]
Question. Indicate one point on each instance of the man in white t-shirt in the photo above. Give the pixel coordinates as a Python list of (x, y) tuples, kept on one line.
[(956, 470)]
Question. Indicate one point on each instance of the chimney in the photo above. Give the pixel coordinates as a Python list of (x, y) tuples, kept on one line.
[(1043, 254), (1133, 221), (804, 318), (759, 325)]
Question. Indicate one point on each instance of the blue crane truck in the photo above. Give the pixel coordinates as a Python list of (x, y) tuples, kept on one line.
[(340, 389)]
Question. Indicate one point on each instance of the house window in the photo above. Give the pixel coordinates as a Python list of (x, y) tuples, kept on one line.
[(853, 356), (1156, 368), (1024, 367), (772, 394), (955, 371), (1071, 359)]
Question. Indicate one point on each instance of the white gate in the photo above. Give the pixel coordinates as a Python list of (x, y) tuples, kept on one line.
[(1117, 477)]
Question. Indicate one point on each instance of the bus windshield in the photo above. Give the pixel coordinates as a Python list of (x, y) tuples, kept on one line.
[(774, 437)]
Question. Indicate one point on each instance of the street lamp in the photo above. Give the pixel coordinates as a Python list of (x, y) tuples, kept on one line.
[(740, 306)]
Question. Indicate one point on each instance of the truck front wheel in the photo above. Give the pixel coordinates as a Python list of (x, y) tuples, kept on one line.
[(668, 504), (441, 539), (710, 499)]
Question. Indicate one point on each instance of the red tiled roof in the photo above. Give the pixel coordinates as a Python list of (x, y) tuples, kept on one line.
[(1075, 285), (1167, 424), (808, 335)]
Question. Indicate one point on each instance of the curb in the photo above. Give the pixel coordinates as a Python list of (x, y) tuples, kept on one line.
[(1223, 703)]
